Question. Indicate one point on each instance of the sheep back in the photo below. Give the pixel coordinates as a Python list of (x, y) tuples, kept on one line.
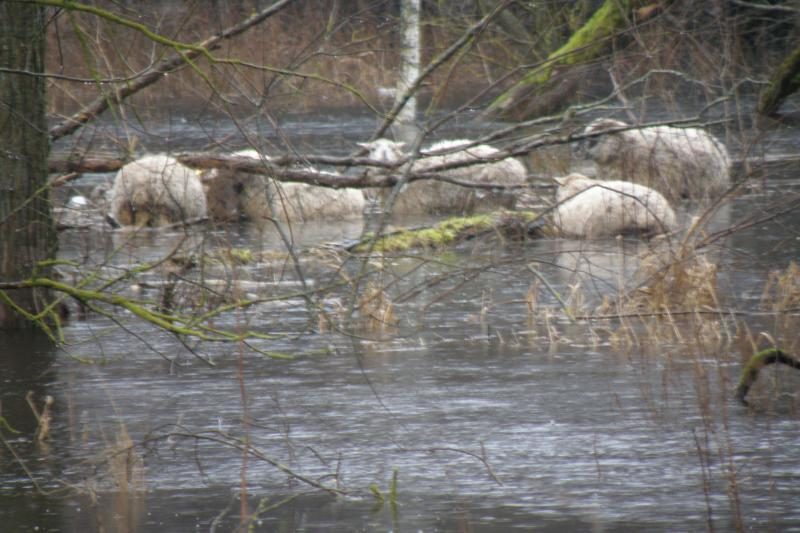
[(300, 202), (591, 208), (231, 194), (256, 197), (156, 190), (678, 162), (429, 196)]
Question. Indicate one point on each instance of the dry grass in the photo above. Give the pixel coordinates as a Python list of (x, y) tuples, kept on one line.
[(782, 290), (116, 492), (345, 58), (125, 466), (684, 282), (376, 309), (348, 54)]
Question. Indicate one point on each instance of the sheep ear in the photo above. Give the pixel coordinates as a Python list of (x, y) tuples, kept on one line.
[(611, 123), (560, 180), (364, 145)]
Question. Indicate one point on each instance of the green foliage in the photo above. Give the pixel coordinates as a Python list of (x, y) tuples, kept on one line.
[(5, 425), (390, 498)]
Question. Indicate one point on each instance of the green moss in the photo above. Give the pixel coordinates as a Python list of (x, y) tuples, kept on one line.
[(589, 42), (756, 363), (442, 234)]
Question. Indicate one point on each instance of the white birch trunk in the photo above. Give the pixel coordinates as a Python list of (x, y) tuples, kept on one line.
[(406, 128)]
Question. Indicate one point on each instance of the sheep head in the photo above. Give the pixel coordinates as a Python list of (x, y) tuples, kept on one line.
[(604, 148), (384, 150), (572, 184)]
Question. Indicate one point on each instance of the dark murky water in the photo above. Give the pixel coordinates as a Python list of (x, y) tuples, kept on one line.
[(494, 418)]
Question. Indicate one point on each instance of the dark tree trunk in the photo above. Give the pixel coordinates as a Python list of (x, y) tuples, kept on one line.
[(27, 234)]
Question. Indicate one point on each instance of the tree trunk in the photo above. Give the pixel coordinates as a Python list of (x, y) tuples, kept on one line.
[(592, 41), (785, 81), (406, 128), (27, 234)]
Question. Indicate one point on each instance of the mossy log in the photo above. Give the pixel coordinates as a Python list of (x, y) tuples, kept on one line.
[(510, 225), (590, 42), (754, 366), (785, 81), (513, 225)]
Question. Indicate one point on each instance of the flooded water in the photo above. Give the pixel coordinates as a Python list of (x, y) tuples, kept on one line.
[(491, 407)]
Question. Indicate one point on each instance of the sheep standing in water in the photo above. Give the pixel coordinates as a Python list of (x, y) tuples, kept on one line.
[(430, 196), (679, 163), (596, 208), (156, 190), (233, 194)]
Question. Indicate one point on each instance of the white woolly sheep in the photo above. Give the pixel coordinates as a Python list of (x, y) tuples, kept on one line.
[(427, 196), (233, 194), (589, 208), (677, 162), (156, 190)]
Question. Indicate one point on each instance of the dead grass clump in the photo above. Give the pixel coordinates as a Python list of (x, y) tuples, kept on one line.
[(125, 464), (688, 282), (376, 309), (117, 489), (676, 303), (782, 290)]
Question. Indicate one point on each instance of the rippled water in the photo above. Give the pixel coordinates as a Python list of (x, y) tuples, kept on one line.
[(493, 417)]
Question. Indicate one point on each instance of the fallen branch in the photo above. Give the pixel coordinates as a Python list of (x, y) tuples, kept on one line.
[(70, 165), (282, 168)]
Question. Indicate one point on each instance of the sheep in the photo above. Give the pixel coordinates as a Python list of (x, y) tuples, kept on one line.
[(589, 208), (233, 194), (156, 190), (680, 163), (430, 196), (228, 191)]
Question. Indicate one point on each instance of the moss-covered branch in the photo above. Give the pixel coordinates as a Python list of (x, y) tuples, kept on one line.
[(184, 326), (756, 363), (99, 297), (454, 230), (785, 81), (592, 41)]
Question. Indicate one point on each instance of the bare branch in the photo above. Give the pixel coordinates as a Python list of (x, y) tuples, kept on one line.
[(184, 55)]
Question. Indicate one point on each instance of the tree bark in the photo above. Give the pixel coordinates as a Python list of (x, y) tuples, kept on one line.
[(592, 41), (785, 81), (406, 128), (27, 233)]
